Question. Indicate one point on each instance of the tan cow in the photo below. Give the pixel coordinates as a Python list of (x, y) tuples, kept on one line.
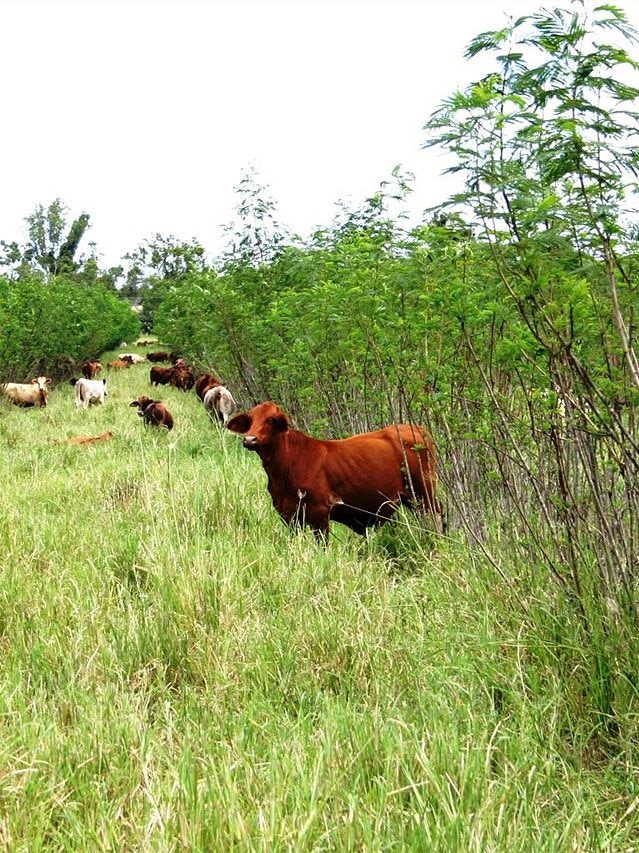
[(30, 394)]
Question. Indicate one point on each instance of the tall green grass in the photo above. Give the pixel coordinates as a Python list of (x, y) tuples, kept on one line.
[(180, 671)]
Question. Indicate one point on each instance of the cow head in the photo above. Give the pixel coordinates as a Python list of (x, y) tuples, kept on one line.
[(142, 403), (41, 382), (260, 426)]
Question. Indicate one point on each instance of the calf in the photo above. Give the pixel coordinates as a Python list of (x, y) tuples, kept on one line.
[(27, 394), (89, 392), (358, 481), (90, 369), (219, 401), (118, 364), (154, 412)]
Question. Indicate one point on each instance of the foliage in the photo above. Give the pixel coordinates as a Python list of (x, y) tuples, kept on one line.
[(47, 248), (545, 147), (47, 327), (299, 327), (157, 264), (255, 236)]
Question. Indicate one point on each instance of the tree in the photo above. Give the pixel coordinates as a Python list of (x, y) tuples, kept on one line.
[(256, 236), (546, 145), (157, 264), (51, 247)]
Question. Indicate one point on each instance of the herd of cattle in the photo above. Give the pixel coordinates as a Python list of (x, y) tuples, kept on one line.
[(89, 391), (358, 481)]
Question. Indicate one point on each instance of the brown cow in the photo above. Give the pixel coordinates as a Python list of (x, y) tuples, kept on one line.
[(87, 439), (154, 412), (157, 356), (358, 481), (204, 383), (118, 364), (160, 375), (182, 378), (91, 369)]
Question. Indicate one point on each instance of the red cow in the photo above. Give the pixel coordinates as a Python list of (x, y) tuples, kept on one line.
[(204, 383), (358, 481), (154, 412), (91, 369), (157, 356), (181, 377), (160, 375)]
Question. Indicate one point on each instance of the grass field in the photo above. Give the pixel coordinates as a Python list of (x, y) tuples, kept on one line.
[(179, 671)]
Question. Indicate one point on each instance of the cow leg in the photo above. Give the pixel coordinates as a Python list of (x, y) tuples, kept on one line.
[(316, 517)]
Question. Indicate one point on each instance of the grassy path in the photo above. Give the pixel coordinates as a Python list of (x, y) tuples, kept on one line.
[(180, 672)]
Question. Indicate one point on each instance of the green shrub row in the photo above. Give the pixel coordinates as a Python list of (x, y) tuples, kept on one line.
[(47, 327)]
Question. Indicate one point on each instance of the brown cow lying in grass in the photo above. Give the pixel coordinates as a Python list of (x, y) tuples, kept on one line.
[(358, 481), (154, 412), (87, 439), (27, 394)]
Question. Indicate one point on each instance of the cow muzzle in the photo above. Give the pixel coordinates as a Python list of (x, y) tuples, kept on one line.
[(250, 442)]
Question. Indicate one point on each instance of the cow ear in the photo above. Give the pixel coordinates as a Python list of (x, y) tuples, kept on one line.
[(240, 423), (280, 422), (134, 403)]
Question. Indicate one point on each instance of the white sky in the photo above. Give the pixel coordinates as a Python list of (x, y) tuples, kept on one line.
[(144, 113)]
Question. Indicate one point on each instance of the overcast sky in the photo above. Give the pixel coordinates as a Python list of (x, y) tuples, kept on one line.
[(145, 113)]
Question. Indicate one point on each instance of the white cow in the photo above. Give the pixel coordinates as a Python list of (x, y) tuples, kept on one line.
[(133, 357), (90, 392), (219, 401)]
